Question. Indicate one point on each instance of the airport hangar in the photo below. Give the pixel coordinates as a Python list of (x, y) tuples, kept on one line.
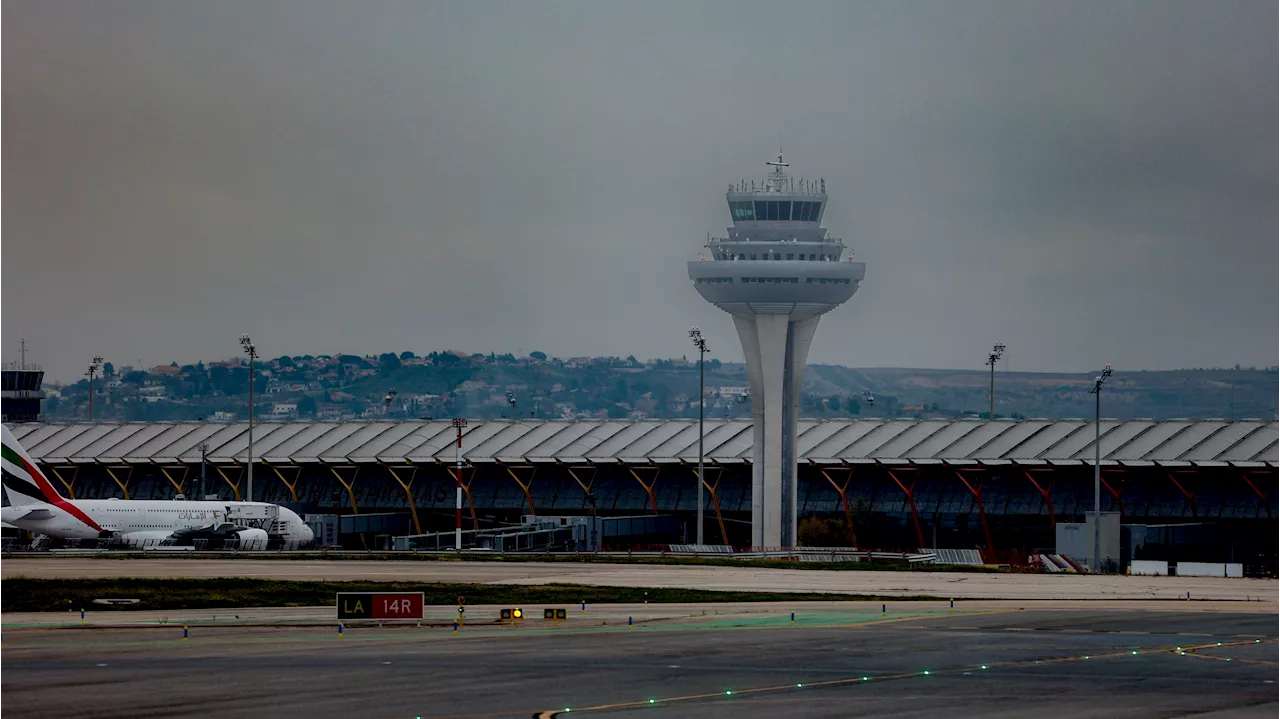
[(906, 484)]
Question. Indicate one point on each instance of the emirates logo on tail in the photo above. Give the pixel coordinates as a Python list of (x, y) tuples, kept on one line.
[(23, 482)]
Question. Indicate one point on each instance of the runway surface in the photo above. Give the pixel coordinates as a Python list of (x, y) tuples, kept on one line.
[(916, 583), (740, 662)]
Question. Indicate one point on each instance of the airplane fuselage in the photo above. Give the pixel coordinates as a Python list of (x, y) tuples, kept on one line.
[(152, 518)]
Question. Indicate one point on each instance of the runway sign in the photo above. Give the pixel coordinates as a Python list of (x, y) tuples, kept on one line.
[(553, 615), (511, 615), (380, 605)]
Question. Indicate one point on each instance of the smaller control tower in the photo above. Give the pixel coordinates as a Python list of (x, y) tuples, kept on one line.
[(776, 273), (20, 393)]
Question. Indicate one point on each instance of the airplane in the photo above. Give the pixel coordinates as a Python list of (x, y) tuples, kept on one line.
[(38, 508)]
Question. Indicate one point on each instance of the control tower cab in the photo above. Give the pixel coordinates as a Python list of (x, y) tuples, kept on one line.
[(776, 273)]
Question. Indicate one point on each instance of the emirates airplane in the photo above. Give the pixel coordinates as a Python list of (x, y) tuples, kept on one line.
[(38, 508)]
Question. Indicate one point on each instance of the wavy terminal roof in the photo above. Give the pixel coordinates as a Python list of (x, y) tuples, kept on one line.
[(1058, 442)]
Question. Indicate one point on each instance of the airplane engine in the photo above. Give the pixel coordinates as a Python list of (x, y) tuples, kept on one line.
[(251, 538)]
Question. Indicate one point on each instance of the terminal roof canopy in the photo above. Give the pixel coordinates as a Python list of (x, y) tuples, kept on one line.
[(1248, 443)]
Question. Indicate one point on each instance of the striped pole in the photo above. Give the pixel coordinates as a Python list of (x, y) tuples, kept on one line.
[(458, 424), (184, 633), (339, 630)]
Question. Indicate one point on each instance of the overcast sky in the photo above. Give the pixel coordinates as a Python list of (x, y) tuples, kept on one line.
[(1083, 181)]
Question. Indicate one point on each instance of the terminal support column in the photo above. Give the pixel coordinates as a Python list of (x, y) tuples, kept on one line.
[(746, 326)]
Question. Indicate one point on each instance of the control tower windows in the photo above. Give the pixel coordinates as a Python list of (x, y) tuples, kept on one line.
[(775, 210), (806, 211)]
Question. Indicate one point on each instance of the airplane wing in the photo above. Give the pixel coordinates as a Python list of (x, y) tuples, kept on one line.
[(142, 539)]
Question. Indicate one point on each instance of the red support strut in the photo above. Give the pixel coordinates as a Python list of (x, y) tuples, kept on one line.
[(1044, 492), (982, 510), (915, 518)]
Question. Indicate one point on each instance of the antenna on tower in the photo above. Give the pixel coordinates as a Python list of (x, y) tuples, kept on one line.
[(777, 178)]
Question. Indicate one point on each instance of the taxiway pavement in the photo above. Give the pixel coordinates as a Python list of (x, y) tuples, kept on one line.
[(1072, 660)]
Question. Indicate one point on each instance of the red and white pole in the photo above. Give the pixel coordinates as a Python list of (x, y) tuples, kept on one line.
[(457, 532)]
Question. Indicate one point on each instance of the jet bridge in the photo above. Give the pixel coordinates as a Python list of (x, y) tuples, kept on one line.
[(259, 516)]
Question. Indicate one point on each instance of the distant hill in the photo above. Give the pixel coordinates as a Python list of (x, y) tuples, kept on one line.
[(488, 386), (1213, 393)]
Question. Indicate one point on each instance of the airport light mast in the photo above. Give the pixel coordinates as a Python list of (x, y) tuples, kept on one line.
[(204, 454), (992, 358), (776, 273), (1097, 466), (94, 366), (458, 424), (701, 344), (252, 351)]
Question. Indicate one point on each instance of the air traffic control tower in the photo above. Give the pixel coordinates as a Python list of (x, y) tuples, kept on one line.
[(777, 273)]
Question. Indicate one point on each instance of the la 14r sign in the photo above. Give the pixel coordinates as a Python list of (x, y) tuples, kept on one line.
[(380, 605)]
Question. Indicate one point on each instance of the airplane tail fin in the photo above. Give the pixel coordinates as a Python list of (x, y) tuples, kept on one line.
[(24, 483)]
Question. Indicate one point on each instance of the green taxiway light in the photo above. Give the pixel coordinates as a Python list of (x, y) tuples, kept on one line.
[(984, 666), (926, 672), (864, 679), (1086, 656), (1134, 652), (727, 692), (799, 686), (653, 701)]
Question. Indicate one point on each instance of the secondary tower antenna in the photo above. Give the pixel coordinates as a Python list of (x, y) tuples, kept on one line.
[(778, 178)]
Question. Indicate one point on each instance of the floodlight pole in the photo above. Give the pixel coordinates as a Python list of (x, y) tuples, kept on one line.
[(458, 424), (93, 369), (701, 344), (204, 452), (252, 351), (991, 360), (1097, 468)]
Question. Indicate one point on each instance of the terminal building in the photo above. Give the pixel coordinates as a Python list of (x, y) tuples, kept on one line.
[(999, 486)]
